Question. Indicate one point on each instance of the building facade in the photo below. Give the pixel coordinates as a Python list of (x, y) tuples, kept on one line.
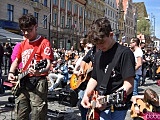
[(61, 21)]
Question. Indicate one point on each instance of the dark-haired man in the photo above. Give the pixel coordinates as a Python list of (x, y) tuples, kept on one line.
[(120, 77)]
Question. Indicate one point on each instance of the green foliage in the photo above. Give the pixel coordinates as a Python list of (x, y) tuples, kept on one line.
[(143, 26)]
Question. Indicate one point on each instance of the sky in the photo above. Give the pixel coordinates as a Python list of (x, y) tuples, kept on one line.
[(153, 7)]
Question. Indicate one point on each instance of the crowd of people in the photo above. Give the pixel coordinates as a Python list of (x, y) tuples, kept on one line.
[(103, 66)]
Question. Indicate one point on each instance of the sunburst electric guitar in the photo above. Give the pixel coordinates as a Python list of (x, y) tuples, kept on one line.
[(76, 80), (38, 66), (117, 98)]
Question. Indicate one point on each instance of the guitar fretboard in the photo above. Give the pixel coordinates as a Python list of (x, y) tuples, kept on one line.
[(104, 100), (23, 74)]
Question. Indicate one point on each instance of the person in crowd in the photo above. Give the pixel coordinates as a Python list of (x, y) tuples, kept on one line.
[(154, 57), (59, 75), (7, 57), (121, 76), (1, 61), (14, 54), (144, 64), (87, 59), (138, 54), (82, 45), (148, 102), (31, 100)]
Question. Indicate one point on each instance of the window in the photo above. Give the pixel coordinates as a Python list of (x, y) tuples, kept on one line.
[(106, 11), (63, 4), (55, 2), (45, 3), (25, 11), (80, 27), (75, 24), (45, 21), (36, 16), (75, 9), (80, 11), (55, 17), (62, 21), (69, 22), (10, 9), (69, 6)]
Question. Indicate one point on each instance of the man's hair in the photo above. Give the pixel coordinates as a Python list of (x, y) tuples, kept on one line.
[(27, 21), (137, 40), (99, 29)]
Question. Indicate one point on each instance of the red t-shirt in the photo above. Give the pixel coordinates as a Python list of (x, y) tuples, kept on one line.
[(44, 51)]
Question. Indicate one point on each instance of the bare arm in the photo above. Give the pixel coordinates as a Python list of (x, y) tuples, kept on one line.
[(128, 85), (139, 63), (90, 87), (13, 67)]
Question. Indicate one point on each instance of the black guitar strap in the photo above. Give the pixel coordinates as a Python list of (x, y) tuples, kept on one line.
[(108, 71)]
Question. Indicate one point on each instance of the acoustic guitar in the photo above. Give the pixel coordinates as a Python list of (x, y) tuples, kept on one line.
[(117, 98), (76, 80), (143, 108)]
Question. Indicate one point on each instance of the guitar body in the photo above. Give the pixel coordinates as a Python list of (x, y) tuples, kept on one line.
[(116, 98), (76, 81), (96, 115), (158, 70), (22, 76), (143, 108)]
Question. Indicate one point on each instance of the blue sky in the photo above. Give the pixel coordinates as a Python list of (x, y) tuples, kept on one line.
[(153, 6)]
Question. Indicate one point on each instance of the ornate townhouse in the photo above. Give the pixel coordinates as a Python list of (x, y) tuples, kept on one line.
[(94, 9), (63, 22), (111, 14)]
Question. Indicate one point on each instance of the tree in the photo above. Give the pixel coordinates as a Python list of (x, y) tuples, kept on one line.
[(143, 27)]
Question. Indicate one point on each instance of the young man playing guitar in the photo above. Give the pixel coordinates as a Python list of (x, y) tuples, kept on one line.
[(121, 76), (31, 99)]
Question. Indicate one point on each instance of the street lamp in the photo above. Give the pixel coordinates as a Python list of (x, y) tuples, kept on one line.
[(49, 25)]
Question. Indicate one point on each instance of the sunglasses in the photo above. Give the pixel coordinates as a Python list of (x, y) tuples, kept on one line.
[(27, 29)]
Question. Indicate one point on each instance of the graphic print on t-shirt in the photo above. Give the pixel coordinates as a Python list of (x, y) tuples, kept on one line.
[(25, 56)]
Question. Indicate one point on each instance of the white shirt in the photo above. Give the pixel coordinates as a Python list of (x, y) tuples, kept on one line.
[(138, 53)]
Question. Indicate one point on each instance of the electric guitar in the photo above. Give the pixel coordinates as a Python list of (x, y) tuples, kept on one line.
[(76, 80), (143, 108), (117, 99), (38, 66)]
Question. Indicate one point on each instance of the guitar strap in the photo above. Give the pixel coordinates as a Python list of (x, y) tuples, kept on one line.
[(31, 56), (108, 71)]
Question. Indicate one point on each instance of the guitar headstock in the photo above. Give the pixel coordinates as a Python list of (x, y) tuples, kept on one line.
[(41, 64)]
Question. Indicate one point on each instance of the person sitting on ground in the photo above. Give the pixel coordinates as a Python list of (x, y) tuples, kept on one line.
[(143, 103), (58, 75)]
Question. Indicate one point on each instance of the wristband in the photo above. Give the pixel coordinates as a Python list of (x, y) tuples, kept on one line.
[(11, 72)]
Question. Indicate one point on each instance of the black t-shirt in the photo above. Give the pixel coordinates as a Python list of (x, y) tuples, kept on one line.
[(90, 55), (123, 69)]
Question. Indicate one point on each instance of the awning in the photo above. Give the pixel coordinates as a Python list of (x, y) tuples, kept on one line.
[(6, 36)]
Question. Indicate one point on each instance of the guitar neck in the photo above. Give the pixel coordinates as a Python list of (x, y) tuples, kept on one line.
[(104, 100), (23, 74)]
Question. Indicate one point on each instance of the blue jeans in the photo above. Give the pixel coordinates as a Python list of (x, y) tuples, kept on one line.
[(116, 115), (81, 108), (136, 83)]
